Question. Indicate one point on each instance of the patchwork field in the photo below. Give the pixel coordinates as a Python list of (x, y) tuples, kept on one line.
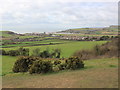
[(98, 73), (67, 47)]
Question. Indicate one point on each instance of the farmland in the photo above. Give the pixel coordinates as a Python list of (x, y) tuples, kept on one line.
[(94, 73), (67, 47)]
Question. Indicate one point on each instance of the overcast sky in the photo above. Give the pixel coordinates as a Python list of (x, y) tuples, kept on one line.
[(53, 15)]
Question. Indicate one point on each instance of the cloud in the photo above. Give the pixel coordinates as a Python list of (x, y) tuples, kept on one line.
[(51, 15)]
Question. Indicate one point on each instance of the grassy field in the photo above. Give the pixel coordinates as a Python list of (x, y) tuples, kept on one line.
[(67, 48), (7, 64), (100, 73)]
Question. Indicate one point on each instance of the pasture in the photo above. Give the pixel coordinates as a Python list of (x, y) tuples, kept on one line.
[(99, 73), (67, 47)]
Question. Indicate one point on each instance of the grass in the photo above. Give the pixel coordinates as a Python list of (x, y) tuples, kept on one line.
[(96, 74), (33, 43), (7, 64), (67, 48), (7, 34)]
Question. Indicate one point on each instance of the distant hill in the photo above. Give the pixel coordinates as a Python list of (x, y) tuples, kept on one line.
[(113, 29), (8, 34)]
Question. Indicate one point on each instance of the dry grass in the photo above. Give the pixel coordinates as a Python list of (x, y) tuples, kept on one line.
[(102, 73), (94, 78)]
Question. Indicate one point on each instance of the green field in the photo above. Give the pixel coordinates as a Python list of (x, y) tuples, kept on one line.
[(96, 71), (67, 48), (7, 64), (92, 76)]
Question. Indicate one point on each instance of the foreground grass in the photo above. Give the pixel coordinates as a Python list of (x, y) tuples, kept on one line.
[(7, 64), (99, 73)]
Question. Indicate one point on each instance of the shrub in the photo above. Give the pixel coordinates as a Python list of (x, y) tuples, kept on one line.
[(23, 63), (83, 54), (45, 54), (23, 51), (56, 65), (62, 66), (3, 52), (56, 62), (36, 52), (57, 52), (55, 68), (13, 53), (104, 38), (74, 63), (41, 66), (109, 49)]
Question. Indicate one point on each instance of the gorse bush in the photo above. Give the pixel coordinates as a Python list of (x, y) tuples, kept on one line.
[(23, 63), (74, 63), (56, 66), (41, 66), (62, 66), (56, 62)]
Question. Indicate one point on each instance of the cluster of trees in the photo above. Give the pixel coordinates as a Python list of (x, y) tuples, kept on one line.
[(56, 53), (19, 52), (107, 37), (39, 65)]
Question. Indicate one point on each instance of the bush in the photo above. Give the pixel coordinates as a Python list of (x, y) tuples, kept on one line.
[(41, 66), (3, 52), (23, 63), (55, 68), (56, 62), (83, 54), (109, 49), (74, 63), (13, 53), (36, 52), (23, 51), (62, 66)]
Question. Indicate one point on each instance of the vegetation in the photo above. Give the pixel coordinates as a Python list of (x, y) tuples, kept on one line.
[(97, 31), (40, 65), (93, 75), (44, 53), (23, 64), (67, 49), (19, 52), (74, 63), (109, 49)]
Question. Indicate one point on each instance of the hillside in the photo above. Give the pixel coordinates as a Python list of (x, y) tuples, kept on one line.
[(7, 34), (111, 30), (99, 73)]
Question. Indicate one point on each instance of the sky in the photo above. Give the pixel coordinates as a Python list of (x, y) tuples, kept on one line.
[(25, 16)]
